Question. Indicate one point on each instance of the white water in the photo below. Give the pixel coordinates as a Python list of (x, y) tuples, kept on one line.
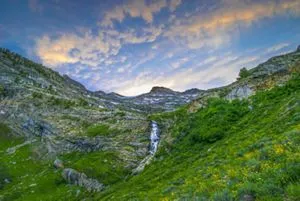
[(154, 137), (154, 140)]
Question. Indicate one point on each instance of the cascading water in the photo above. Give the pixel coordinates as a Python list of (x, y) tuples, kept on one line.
[(154, 137), (154, 140)]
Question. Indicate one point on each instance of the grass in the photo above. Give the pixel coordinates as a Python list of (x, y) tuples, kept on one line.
[(225, 151), (99, 129)]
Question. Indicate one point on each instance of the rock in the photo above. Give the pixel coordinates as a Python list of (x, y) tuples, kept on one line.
[(298, 49), (247, 197), (240, 92), (58, 164), (7, 181), (80, 179), (161, 90)]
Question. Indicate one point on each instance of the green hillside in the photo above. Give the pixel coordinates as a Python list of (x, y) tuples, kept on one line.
[(239, 150)]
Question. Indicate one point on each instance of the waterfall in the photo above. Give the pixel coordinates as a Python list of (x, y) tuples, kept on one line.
[(154, 140)]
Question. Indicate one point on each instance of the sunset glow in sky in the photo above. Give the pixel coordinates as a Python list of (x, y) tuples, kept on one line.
[(129, 46)]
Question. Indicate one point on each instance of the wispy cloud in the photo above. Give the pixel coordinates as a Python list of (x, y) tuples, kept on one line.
[(277, 47), (218, 26)]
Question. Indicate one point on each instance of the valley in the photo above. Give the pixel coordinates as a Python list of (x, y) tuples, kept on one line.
[(60, 141)]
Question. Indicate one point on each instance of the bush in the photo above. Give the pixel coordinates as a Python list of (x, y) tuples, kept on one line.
[(37, 95), (82, 102), (65, 103), (244, 73), (293, 192), (2, 90)]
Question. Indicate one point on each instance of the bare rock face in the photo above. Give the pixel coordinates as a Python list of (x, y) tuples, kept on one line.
[(240, 92), (76, 178)]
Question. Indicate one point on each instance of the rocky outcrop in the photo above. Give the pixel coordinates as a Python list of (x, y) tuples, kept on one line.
[(161, 90), (80, 179), (298, 49), (240, 92), (274, 72)]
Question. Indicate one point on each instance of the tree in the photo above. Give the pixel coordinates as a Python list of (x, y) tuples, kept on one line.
[(244, 73)]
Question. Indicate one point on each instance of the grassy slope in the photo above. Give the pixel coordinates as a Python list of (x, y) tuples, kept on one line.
[(226, 151)]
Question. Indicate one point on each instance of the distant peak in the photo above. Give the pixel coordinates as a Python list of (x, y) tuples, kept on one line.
[(298, 49), (157, 89)]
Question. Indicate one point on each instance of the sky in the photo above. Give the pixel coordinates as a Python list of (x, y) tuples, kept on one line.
[(129, 46)]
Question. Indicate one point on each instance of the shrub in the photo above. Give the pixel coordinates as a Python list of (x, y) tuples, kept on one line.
[(65, 103), (37, 95), (244, 73), (2, 90), (121, 114), (82, 102), (293, 192)]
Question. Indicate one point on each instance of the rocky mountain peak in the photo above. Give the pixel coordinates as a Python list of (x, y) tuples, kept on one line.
[(158, 89), (298, 49)]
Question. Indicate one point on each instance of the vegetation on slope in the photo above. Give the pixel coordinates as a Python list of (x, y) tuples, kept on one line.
[(226, 151)]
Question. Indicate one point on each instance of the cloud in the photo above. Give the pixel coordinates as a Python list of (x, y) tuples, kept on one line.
[(137, 8), (174, 4), (215, 28), (277, 47), (179, 62), (71, 48), (35, 6), (90, 49), (226, 69), (121, 70)]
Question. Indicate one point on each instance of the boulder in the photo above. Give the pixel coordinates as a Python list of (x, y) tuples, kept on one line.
[(247, 197), (80, 179), (58, 164)]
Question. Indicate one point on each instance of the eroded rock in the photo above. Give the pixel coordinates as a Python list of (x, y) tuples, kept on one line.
[(240, 92), (80, 179)]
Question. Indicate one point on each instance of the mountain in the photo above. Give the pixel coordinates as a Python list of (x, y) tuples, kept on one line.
[(60, 141), (163, 99)]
